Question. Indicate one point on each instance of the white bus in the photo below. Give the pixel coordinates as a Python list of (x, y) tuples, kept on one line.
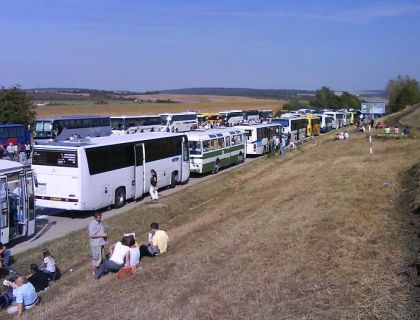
[(265, 115), (179, 122), (326, 122), (89, 175), (134, 124), (251, 116), (294, 124), (47, 130), (261, 137), (17, 201), (232, 117), (338, 119), (213, 149)]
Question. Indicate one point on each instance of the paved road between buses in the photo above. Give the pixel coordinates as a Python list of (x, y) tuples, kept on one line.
[(55, 223)]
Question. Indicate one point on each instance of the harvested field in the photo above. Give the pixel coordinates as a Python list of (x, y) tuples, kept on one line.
[(201, 103), (317, 235)]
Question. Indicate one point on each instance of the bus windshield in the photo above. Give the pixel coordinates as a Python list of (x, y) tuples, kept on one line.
[(43, 129), (195, 147), (58, 158), (283, 122), (117, 124)]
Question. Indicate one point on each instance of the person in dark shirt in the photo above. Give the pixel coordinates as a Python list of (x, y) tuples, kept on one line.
[(38, 278)]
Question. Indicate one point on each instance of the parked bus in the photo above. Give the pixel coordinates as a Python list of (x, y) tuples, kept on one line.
[(213, 149), (209, 119), (232, 118), (265, 115), (14, 133), (314, 127), (132, 124), (105, 171), (261, 137), (294, 124), (251, 116), (179, 122), (338, 119), (17, 199), (326, 122), (47, 130)]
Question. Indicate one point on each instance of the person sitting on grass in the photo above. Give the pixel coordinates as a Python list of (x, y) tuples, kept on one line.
[(120, 256), (38, 278), (48, 265), (158, 242), (26, 297)]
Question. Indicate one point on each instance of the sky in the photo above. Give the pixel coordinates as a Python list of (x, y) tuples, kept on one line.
[(154, 45)]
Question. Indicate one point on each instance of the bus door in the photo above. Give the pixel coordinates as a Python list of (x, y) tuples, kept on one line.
[(29, 207), (139, 182), (22, 213), (185, 166), (4, 210)]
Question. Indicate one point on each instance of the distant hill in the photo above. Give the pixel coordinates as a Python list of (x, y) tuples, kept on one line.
[(243, 92)]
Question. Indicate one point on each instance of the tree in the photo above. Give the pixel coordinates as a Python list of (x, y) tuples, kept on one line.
[(295, 103), (349, 101), (16, 106), (325, 98), (401, 92)]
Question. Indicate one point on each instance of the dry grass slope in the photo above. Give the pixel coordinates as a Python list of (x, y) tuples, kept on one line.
[(313, 236)]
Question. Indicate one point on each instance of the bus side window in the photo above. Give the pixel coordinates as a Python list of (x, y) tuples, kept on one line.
[(221, 143), (227, 141), (206, 145)]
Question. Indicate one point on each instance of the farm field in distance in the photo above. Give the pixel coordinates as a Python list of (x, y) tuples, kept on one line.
[(319, 234), (184, 103)]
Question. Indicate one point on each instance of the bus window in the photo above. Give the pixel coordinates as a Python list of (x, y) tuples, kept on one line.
[(195, 147), (227, 141), (206, 145), (221, 143), (213, 145), (248, 134)]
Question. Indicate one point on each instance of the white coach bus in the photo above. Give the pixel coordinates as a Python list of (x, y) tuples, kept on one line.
[(133, 124), (338, 119), (296, 125), (97, 173), (232, 117), (17, 198), (179, 122), (261, 137), (213, 149)]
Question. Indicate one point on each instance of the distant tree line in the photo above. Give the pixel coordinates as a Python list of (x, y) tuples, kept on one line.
[(324, 98), (402, 91), (16, 106)]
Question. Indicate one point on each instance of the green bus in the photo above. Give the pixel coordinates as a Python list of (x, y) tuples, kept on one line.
[(213, 149)]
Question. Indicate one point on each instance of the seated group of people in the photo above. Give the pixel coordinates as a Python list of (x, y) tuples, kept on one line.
[(125, 255), (342, 136), (21, 293)]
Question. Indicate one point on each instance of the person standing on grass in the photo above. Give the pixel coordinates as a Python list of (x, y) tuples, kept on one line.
[(97, 236), (153, 185), (158, 242), (282, 146)]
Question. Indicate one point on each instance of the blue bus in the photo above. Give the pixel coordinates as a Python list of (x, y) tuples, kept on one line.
[(67, 127), (14, 133)]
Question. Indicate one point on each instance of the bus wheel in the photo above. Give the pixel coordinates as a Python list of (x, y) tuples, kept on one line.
[(119, 198), (216, 167), (174, 179)]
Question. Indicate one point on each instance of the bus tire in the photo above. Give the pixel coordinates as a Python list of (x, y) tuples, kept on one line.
[(120, 198), (216, 166), (174, 179)]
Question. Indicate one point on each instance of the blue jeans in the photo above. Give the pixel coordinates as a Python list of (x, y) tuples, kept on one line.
[(106, 267)]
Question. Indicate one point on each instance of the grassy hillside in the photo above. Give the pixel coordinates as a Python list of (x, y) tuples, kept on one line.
[(316, 235)]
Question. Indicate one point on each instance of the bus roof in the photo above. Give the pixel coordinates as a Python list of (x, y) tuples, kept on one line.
[(8, 166), (206, 134), (139, 116), (10, 125), (258, 125), (71, 117), (228, 111), (176, 113), (109, 140)]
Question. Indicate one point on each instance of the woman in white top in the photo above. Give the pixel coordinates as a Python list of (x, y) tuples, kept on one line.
[(48, 265), (120, 256)]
